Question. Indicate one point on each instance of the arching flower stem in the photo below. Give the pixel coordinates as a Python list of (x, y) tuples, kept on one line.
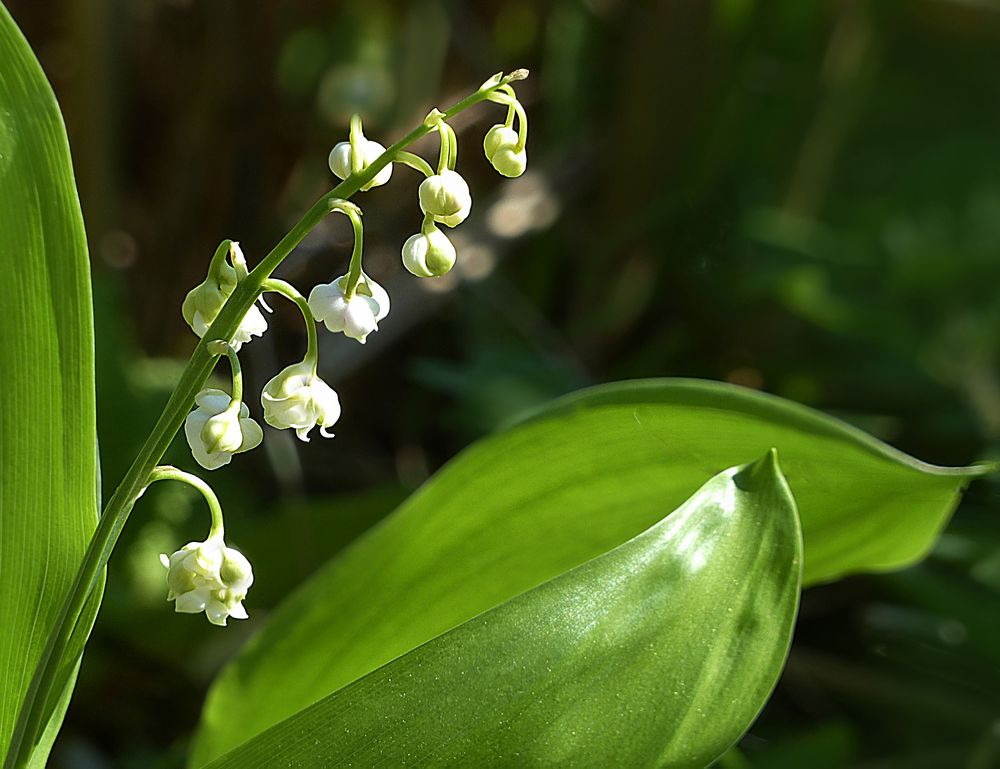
[(354, 270), (220, 347), (513, 107), (415, 162), (289, 291), (170, 473)]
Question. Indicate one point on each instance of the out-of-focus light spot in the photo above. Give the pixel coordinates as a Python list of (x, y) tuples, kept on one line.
[(476, 262), (952, 632), (527, 205), (440, 285), (118, 249)]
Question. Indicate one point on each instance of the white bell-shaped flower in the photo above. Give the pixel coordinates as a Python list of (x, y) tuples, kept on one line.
[(356, 317), (428, 254), (296, 398), (341, 156), (215, 432), (446, 197), (253, 324), (204, 302), (500, 145), (208, 577)]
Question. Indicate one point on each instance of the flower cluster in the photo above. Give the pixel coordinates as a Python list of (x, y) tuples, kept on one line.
[(208, 576)]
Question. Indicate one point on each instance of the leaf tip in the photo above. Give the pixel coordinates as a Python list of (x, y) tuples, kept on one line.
[(758, 473)]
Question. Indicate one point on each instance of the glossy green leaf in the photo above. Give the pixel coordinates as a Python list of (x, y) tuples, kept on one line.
[(48, 457), (568, 484), (658, 653)]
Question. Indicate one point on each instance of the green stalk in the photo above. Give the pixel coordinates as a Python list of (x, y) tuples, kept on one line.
[(218, 347), (170, 473), (289, 291), (354, 268), (415, 162), (34, 713)]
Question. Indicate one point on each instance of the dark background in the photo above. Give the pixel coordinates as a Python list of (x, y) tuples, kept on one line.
[(801, 197)]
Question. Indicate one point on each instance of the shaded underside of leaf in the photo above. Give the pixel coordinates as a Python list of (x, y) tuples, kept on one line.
[(565, 486), (658, 653), (48, 478)]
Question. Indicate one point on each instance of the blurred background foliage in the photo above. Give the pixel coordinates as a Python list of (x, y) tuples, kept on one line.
[(800, 197)]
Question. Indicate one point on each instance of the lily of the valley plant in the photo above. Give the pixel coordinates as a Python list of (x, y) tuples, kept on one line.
[(224, 310)]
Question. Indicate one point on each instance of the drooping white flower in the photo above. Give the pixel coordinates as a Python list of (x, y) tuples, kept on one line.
[(341, 165), (446, 197), (428, 254), (358, 316), (500, 145), (297, 398), (253, 324), (215, 432), (204, 302), (208, 577)]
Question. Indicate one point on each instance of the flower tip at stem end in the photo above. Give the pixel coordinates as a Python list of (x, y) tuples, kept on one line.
[(500, 79), (433, 118)]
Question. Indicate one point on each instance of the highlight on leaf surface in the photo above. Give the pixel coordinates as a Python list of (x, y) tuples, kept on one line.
[(660, 652), (569, 483)]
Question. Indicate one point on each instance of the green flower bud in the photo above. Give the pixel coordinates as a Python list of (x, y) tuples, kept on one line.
[(445, 195), (429, 255), (501, 150)]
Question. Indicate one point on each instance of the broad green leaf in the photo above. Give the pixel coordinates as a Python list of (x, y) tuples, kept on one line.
[(658, 653), (48, 457), (572, 482)]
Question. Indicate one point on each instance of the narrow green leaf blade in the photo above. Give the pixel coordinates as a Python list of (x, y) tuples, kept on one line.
[(48, 459), (567, 485), (658, 653)]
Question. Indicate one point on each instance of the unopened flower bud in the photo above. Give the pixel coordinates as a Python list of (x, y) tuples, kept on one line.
[(215, 432), (428, 255), (341, 165), (356, 316), (446, 197), (500, 145), (296, 398), (208, 577), (222, 433)]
